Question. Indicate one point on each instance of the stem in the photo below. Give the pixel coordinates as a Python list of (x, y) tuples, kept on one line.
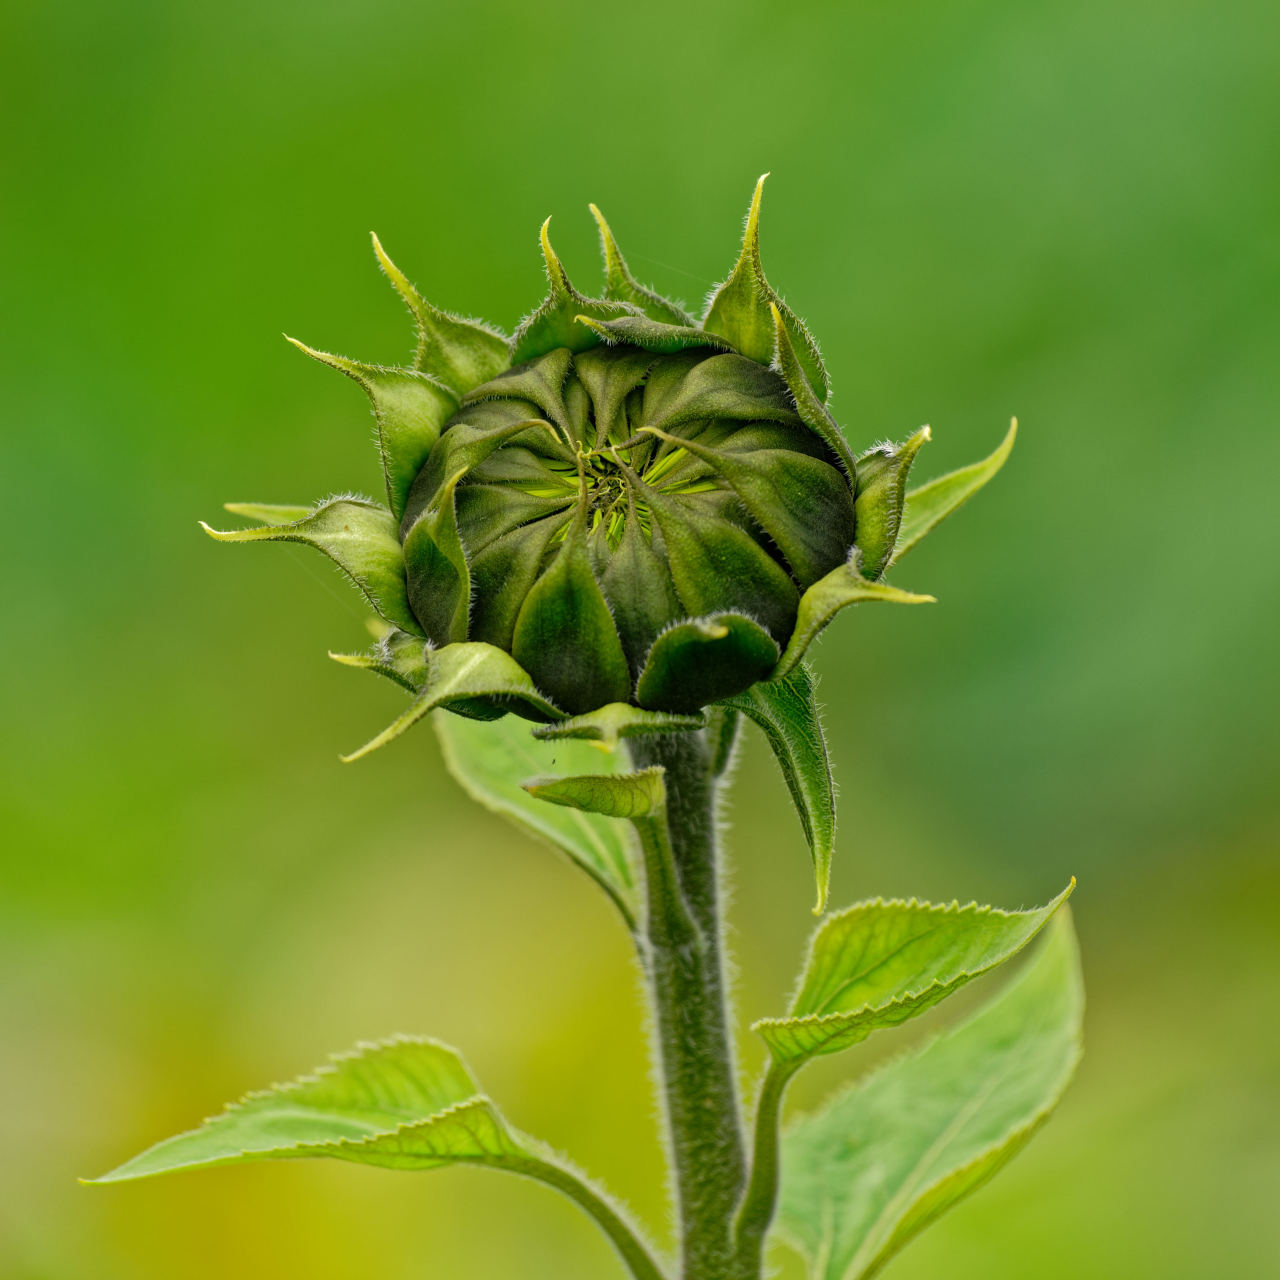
[(761, 1198), (687, 984), (623, 1237)]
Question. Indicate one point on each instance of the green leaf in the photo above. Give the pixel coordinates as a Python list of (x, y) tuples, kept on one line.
[(397, 655), (400, 1104), (703, 660), (622, 286), (613, 795), (410, 409), (932, 503), (879, 964), (407, 1103), (786, 711), (359, 536), (617, 720), (491, 761), (459, 353), (741, 309), (555, 323), (882, 488), (473, 679), (882, 1160), (812, 410), (841, 587)]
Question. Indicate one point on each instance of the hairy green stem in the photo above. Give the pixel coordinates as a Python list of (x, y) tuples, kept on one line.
[(623, 1237), (685, 971), (761, 1197)]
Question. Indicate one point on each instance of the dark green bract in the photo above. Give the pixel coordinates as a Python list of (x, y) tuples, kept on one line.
[(623, 512), (619, 506)]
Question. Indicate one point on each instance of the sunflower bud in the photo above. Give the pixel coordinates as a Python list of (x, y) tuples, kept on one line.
[(619, 505)]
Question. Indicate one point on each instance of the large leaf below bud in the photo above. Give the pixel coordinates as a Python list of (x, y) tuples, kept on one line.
[(622, 286), (410, 409), (492, 761), (882, 488), (741, 309), (565, 637), (402, 1104), (882, 1160), (359, 536), (698, 662), (555, 323)]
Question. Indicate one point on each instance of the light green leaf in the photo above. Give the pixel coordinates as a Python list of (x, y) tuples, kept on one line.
[(459, 353), (359, 536), (741, 309), (555, 323), (491, 761), (932, 503), (473, 679), (613, 795), (407, 1103), (843, 586), (879, 964), (402, 1104), (617, 720), (882, 1160), (622, 286), (410, 409), (785, 709)]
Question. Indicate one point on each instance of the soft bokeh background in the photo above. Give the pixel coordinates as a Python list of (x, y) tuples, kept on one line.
[(1064, 210)]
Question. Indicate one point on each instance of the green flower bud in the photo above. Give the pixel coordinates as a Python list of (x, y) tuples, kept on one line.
[(619, 506)]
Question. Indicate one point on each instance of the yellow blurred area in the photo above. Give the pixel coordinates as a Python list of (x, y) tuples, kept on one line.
[(1066, 211)]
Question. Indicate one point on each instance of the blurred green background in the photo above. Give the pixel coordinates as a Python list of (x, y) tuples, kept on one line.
[(1067, 211)]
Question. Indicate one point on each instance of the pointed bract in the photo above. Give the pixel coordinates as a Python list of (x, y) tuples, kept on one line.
[(459, 353), (410, 409), (930, 504), (555, 323), (475, 680), (622, 286), (360, 537), (741, 309), (882, 490)]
